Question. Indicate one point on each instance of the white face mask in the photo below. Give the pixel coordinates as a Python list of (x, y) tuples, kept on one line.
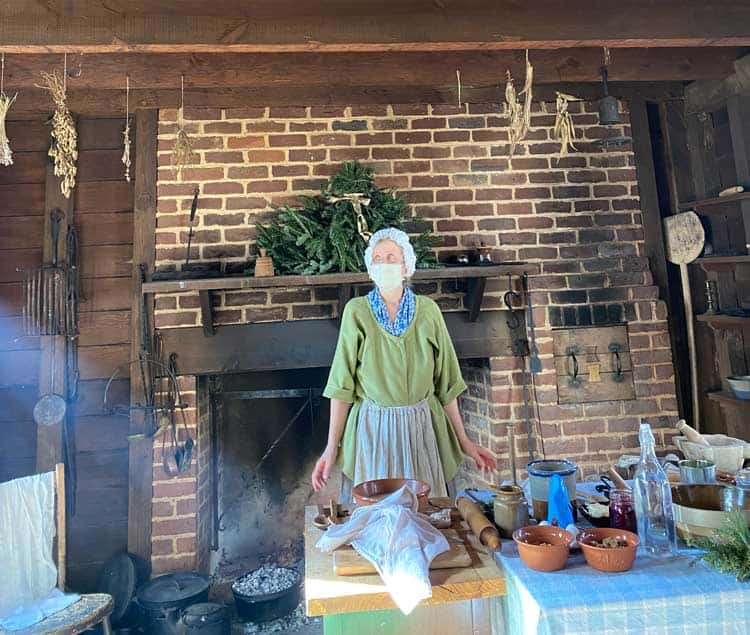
[(387, 277)]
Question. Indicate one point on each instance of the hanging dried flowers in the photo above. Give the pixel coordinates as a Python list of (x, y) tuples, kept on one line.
[(6, 154), (64, 147), (126, 132), (564, 132), (518, 114), (182, 153)]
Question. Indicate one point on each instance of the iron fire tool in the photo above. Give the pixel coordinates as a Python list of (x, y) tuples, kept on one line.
[(193, 210)]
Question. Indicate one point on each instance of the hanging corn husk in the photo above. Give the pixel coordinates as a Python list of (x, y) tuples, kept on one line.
[(6, 155), (519, 115), (564, 132), (64, 147), (126, 132), (182, 153)]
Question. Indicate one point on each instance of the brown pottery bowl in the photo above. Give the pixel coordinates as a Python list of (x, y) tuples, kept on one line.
[(369, 492), (539, 556), (611, 560)]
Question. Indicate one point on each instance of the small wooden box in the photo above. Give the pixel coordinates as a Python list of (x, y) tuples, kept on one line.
[(593, 364)]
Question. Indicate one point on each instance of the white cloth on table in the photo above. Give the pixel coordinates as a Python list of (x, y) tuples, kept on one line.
[(397, 540), (28, 578), (398, 442)]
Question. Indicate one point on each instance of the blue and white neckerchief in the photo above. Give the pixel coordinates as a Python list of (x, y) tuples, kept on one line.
[(404, 316)]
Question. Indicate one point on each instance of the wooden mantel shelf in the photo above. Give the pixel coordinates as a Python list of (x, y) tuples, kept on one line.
[(476, 277)]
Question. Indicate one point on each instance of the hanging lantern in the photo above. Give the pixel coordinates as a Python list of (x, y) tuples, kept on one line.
[(609, 108)]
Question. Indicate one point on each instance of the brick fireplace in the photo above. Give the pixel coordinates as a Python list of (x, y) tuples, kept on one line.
[(578, 217)]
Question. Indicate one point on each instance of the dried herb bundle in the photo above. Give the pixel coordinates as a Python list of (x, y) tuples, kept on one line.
[(126, 132), (64, 147), (126, 151), (564, 132), (728, 550), (519, 115), (182, 153), (6, 154)]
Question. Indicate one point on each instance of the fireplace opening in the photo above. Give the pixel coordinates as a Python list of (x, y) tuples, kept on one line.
[(267, 430)]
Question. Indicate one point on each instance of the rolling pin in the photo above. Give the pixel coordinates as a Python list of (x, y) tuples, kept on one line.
[(483, 529), (690, 433)]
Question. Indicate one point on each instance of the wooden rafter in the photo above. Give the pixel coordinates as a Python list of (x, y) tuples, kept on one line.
[(478, 68), (381, 25)]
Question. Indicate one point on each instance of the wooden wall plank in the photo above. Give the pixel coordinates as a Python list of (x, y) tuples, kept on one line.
[(104, 294), (98, 433), (19, 368), (144, 229), (99, 362), (106, 261), (12, 337), (101, 134), (100, 328), (107, 229), (99, 165), (22, 232), (91, 396), (13, 260), (29, 136), (28, 167), (106, 196), (22, 201)]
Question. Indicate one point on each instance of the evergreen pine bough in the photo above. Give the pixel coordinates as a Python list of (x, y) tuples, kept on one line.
[(321, 236)]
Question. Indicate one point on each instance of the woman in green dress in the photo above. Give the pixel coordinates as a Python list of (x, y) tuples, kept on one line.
[(394, 383)]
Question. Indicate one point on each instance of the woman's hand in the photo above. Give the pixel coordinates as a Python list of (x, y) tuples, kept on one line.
[(322, 470), (484, 459)]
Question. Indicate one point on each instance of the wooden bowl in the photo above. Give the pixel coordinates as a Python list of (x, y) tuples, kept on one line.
[(611, 560), (370, 492), (539, 556)]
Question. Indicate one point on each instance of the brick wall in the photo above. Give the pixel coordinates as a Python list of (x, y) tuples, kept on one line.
[(577, 216)]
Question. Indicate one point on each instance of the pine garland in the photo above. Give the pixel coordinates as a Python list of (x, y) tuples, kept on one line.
[(728, 550), (321, 236)]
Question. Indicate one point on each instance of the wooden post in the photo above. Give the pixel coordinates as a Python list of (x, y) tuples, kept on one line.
[(49, 441), (61, 524), (144, 225)]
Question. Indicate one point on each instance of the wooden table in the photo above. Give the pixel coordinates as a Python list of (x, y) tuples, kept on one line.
[(460, 603)]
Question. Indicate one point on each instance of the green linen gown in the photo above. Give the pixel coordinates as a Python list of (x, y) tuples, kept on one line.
[(389, 370)]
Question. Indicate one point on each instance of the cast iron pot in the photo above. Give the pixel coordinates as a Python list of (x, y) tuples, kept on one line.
[(164, 598), (264, 607), (206, 619)]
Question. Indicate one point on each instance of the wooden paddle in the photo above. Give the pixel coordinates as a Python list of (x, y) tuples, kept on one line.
[(684, 240)]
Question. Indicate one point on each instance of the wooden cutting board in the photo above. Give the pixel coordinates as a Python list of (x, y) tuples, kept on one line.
[(346, 561)]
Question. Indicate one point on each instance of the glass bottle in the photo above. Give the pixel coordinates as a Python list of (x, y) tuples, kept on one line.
[(653, 500), (743, 479), (622, 510)]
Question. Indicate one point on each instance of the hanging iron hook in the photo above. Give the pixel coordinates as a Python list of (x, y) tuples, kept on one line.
[(511, 296)]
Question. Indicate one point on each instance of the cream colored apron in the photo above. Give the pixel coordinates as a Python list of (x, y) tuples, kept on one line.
[(396, 442)]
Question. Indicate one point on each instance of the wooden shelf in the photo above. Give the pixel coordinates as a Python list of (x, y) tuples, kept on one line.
[(476, 280), (722, 263), (714, 205), (727, 397), (331, 279), (706, 260), (724, 321)]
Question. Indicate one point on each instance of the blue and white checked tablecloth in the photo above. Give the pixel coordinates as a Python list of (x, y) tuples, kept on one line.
[(666, 596)]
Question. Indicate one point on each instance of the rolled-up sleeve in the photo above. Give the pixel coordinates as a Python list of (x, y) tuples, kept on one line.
[(449, 383), (342, 378)]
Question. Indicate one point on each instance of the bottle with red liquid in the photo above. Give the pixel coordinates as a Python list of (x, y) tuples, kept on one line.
[(622, 510)]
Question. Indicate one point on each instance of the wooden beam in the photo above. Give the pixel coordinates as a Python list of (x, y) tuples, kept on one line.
[(33, 103), (140, 454), (49, 439), (310, 343), (381, 25), (478, 68)]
